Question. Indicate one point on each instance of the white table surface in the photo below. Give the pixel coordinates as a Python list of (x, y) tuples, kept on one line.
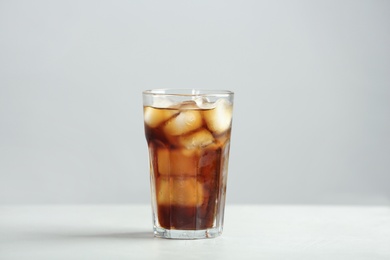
[(251, 232)]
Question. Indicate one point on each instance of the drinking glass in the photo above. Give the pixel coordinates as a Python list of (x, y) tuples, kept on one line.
[(188, 136)]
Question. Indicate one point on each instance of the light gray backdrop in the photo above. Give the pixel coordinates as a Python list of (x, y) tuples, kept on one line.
[(312, 106)]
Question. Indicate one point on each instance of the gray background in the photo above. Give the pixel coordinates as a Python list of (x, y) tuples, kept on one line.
[(312, 105)]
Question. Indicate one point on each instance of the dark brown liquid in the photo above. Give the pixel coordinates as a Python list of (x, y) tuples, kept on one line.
[(187, 180)]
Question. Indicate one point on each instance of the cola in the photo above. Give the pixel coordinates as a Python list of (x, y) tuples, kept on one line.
[(189, 145)]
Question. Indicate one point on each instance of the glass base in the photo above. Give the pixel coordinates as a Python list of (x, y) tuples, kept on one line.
[(186, 234)]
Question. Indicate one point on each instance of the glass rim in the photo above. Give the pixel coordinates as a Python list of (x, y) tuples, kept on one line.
[(187, 92)]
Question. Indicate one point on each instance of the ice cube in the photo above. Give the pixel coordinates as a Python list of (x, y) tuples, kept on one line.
[(177, 162), (204, 103), (183, 123), (153, 117), (198, 139), (163, 102), (190, 104), (209, 163), (221, 139), (179, 191), (219, 119), (163, 162)]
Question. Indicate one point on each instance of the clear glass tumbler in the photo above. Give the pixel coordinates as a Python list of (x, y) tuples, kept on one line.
[(188, 136)]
